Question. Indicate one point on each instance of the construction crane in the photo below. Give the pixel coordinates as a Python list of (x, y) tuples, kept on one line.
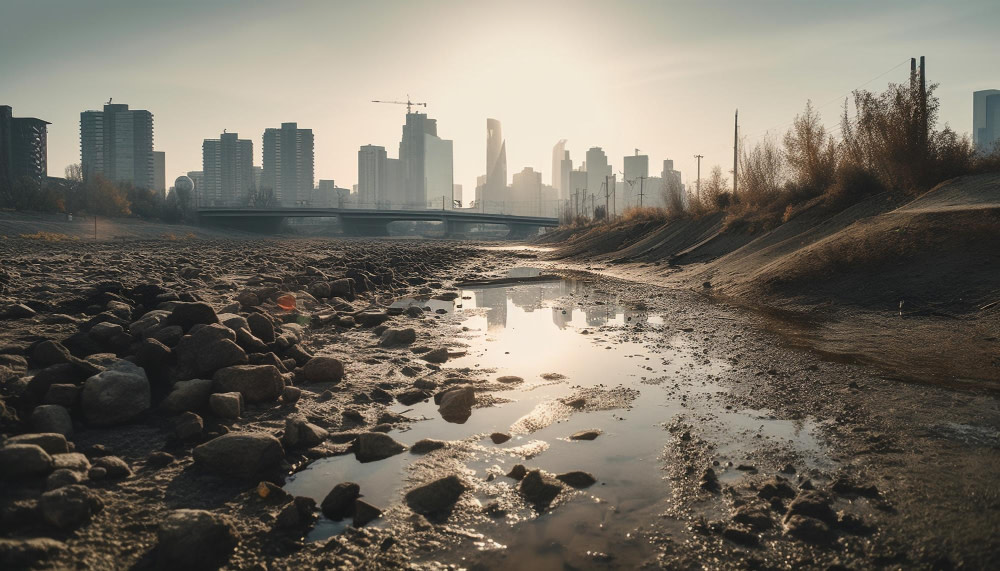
[(408, 103)]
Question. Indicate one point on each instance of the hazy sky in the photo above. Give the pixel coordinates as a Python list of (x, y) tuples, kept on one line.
[(661, 76)]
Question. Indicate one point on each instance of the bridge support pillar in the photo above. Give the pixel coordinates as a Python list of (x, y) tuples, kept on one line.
[(256, 224), (521, 231), (364, 227), (453, 229)]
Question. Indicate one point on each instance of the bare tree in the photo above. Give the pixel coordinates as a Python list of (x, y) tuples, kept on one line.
[(810, 151), (762, 172)]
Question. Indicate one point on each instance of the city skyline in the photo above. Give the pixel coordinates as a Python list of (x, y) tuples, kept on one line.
[(667, 93)]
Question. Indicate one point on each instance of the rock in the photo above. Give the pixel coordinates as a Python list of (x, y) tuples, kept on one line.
[(62, 395), (248, 299), (195, 540), (426, 445), (148, 323), (517, 472), (18, 311), (371, 318), (69, 507), (807, 529), (29, 553), (19, 461), (372, 446), (51, 442), (577, 479), (812, 504), (343, 287), (249, 342), (240, 454), (456, 404), (412, 396), (61, 478), (322, 369), (114, 466), (394, 337), (740, 536), (296, 514), (52, 418), (775, 488), (439, 355), (499, 437), (226, 405), (261, 327), (754, 517), (159, 459), (436, 498), (153, 355), (209, 348), (257, 383), (339, 502), (71, 461), (414, 312), (302, 434), (169, 336), (62, 374), (116, 395), (48, 353), (234, 321), (364, 513), (188, 426), (187, 315), (291, 395), (105, 333), (97, 473), (585, 434), (510, 380), (188, 396), (709, 481), (539, 489)]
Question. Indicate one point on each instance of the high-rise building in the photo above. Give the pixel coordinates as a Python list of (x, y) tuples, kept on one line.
[(439, 171), (558, 155), (23, 149), (986, 120), (598, 170), (636, 166), (671, 185), (526, 193), (227, 163), (160, 172), (288, 164), (328, 195), (495, 192), (198, 178), (457, 196), (373, 177), (578, 184), (118, 144), (565, 186), (413, 157)]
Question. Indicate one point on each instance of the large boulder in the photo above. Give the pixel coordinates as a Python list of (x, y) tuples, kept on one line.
[(209, 348), (188, 396), (148, 323), (394, 337), (540, 489), (51, 442), (436, 498), (195, 540), (456, 404), (372, 446), (187, 315), (24, 461), (322, 369), (226, 405), (257, 383), (240, 454), (261, 327), (339, 503), (52, 418), (69, 507), (116, 395), (302, 434), (48, 353)]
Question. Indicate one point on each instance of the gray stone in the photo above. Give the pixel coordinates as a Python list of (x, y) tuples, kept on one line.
[(61, 478), (209, 348), (226, 405), (52, 418), (71, 461), (234, 321), (51, 442), (302, 434), (456, 404), (807, 529), (114, 466), (48, 353), (577, 479), (195, 540), (188, 396), (187, 315), (372, 446), (499, 437), (437, 497), (261, 327), (364, 513), (69, 507), (586, 434), (188, 425), (104, 332), (426, 445), (24, 461), (257, 383), (291, 395), (322, 369), (116, 395), (439, 355), (539, 489), (147, 323), (339, 502), (62, 395), (394, 337), (240, 454)]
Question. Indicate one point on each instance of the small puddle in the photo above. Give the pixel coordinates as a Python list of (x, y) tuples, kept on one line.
[(637, 372)]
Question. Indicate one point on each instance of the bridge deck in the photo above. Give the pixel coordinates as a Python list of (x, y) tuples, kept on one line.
[(379, 215)]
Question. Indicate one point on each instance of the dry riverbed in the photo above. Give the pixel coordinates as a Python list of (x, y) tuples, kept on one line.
[(393, 404)]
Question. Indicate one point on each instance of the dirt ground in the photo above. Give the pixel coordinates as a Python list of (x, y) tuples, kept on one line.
[(907, 478)]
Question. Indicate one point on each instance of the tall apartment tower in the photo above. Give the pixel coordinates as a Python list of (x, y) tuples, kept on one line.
[(288, 163), (597, 171), (118, 144), (986, 120), (227, 164), (495, 192), (23, 149), (373, 177), (558, 154), (160, 173), (418, 130)]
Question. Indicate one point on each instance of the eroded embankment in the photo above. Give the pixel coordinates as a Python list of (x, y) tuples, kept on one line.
[(912, 286)]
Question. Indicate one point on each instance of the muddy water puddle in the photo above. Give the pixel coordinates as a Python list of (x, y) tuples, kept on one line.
[(565, 340)]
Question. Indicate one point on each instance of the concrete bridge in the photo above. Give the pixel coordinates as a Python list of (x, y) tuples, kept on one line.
[(372, 222)]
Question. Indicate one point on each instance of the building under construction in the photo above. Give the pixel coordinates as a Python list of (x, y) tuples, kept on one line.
[(23, 149)]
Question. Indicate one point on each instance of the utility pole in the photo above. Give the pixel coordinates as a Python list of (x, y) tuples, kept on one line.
[(736, 147), (697, 181)]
